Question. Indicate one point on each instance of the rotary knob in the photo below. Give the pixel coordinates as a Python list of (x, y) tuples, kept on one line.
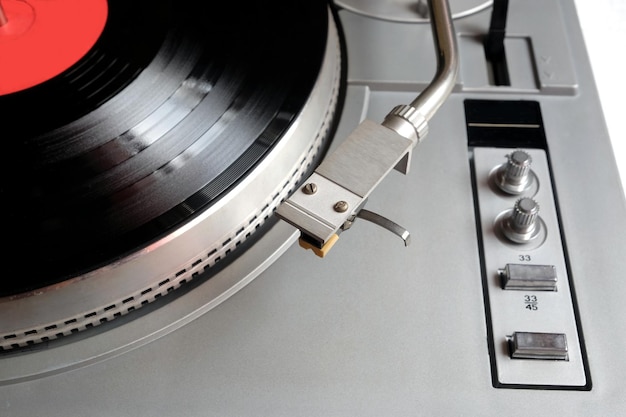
[(515, 176), (522, 224)]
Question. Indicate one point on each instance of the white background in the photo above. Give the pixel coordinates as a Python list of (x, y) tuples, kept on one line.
[(604, 28)]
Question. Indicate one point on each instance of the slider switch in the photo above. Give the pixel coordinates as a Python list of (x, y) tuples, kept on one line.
[(528, 277), (532, 345)]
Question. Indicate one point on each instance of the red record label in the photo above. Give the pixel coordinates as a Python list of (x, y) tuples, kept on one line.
[(39, 39)]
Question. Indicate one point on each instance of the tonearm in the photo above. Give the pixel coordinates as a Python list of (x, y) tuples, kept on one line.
[(335, 194)]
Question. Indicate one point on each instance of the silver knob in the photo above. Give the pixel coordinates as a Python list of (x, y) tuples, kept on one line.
[(515, 176), (522, 224)]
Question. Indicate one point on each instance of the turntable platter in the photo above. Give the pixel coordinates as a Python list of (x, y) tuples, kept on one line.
[(170, 109), (160, 153)]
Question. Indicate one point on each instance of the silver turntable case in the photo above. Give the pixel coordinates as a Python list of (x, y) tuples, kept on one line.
[(374, 328)]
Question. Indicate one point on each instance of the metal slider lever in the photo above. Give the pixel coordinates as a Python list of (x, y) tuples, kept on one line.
[(334, 195)]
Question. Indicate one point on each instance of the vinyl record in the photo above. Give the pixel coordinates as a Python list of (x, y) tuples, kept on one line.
[(171, 107)]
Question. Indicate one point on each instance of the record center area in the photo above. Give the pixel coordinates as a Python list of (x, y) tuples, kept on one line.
[(41, 39)]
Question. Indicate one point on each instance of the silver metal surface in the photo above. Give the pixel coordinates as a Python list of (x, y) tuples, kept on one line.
[(547, 346), (515, 176), (408, 122), (422, 109), (529, 277), (387, 224), (370, 330), (444, 36), (348, 174), (44, 361), (522, 223)]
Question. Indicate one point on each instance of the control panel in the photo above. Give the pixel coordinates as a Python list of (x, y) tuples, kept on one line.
[(535, 337)]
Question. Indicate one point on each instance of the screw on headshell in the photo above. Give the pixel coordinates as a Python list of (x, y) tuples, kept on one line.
[(309, 188), (341, 206)]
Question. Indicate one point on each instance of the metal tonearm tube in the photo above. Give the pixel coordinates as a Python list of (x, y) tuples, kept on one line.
[(334, 195)]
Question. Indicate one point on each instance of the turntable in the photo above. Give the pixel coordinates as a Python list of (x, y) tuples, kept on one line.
[(318, 208)]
